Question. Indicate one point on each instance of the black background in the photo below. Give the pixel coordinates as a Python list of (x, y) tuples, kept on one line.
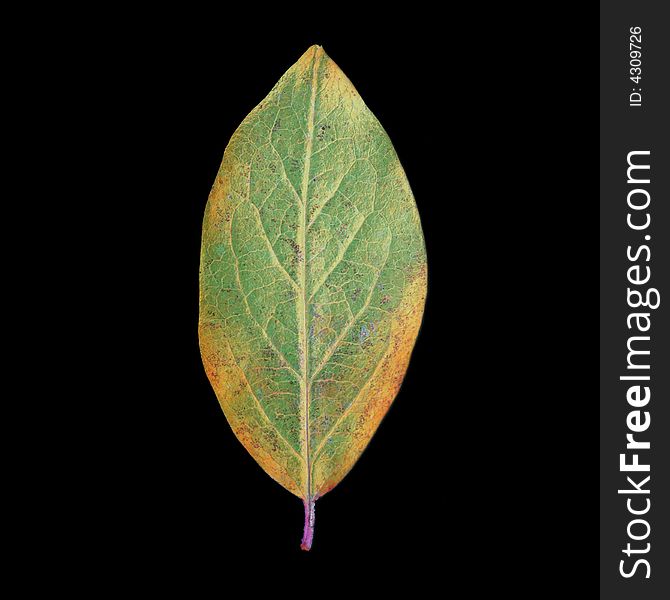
[(484, 471)]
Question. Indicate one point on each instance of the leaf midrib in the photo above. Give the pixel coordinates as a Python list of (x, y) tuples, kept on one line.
[(316, 59)]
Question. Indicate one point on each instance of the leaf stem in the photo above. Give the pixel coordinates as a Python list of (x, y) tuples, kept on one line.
[(308, 533)]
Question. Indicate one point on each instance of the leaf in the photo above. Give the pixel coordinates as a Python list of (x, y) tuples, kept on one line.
[(312, 279)]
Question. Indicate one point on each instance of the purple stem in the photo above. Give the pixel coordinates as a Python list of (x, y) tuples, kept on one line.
[(308, 533)]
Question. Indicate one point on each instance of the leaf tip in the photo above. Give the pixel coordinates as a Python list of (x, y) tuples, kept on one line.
[(314, 51)]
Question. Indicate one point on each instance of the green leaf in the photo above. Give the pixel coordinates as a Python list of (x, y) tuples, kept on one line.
[(312, 279)]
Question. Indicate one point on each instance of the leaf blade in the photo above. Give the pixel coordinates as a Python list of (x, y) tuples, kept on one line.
[(313, 278)]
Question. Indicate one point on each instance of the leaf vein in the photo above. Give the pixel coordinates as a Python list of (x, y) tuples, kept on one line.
[(264, 413), (349, 325), (337, 189), (246, 303), (348, 409)]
